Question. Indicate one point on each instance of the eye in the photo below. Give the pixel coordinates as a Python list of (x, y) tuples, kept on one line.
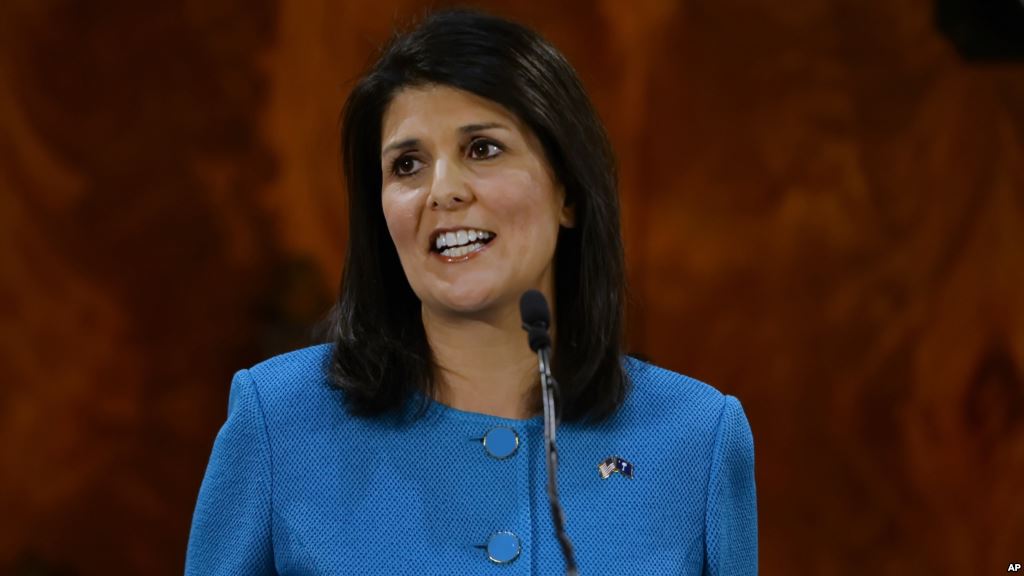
[(481, 149), (405, 166)]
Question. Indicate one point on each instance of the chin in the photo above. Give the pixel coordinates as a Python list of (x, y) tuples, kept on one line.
[(467, 302), (467, 305)]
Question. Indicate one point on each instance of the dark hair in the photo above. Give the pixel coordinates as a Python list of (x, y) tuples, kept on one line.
[(381, 353)]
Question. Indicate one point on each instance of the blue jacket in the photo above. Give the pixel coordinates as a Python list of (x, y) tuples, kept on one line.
[(295, 485)]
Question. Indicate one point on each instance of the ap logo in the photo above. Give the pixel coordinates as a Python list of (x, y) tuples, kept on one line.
[(1013, 567)]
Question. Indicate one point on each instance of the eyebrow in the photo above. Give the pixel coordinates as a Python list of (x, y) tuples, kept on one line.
[(467, 129)]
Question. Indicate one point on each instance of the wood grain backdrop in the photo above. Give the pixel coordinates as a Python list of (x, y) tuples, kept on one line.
[(824, 215)]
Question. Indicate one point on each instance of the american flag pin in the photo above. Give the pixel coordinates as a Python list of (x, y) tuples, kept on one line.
[(613, 464)]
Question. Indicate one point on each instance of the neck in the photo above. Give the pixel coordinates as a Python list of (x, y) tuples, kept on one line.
[(483, 365)]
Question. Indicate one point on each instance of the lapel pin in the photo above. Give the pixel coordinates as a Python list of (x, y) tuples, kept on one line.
[(614, 464)]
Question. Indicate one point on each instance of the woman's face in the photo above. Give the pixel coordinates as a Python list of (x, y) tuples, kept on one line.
[(470, 201)]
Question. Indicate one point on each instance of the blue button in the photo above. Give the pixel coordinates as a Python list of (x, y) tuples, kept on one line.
[(503, 547), (501, 442)]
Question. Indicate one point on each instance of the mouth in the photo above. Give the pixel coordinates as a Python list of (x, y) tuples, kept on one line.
[(458, 243)]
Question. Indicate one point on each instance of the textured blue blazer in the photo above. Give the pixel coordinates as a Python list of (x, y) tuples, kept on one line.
[(296, 485)]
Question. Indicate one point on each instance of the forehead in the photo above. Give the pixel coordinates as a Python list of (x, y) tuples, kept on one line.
[(421, 110)]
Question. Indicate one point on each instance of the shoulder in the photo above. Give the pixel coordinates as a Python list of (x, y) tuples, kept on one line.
[(648, 378), (658, 389), (706, 426), (304, 364), (295, 383), (669, 399)]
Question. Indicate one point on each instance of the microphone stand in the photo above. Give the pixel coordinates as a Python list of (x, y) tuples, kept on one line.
[(548, 386), (533, 308)]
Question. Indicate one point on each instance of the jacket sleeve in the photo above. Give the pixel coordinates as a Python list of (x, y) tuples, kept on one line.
[(731, 523), (231, 532)]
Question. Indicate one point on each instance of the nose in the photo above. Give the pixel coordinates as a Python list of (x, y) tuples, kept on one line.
[(449, 191)]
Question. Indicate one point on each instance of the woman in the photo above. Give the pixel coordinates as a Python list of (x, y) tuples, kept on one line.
[(477, 169)]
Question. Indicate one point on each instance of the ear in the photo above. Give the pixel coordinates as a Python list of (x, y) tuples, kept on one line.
[(567, 216)]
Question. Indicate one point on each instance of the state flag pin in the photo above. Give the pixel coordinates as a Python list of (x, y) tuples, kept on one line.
[(614, 464)]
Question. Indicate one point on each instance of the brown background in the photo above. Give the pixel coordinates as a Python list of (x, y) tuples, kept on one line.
[(823, 210)]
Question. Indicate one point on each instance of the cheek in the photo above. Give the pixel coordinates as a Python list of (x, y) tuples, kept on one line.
[(401, 217), (529, 204)]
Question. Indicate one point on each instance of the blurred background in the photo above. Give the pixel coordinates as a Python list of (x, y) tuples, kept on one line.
[(823, 206)]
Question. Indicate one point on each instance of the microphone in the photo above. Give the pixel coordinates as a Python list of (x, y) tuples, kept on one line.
[(533, 309)]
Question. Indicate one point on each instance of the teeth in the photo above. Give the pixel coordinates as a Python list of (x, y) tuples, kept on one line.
[(460, 238), (462, 250)]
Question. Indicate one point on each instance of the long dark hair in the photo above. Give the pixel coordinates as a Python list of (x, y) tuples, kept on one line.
[(380, 352)]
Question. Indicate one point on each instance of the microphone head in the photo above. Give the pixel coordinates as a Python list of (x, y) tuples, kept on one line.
[(533, 309)]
